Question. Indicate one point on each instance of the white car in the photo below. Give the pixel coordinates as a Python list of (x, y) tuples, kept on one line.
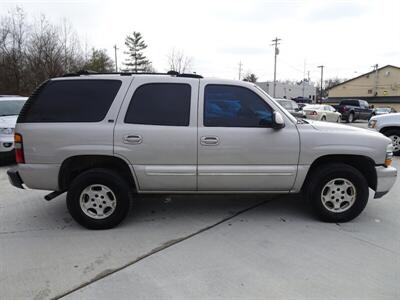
[(389, 125), (322, 112), (10, 107)]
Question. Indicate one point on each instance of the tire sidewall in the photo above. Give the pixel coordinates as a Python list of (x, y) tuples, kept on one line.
[(109, 179), (390, 132), (328, 174)]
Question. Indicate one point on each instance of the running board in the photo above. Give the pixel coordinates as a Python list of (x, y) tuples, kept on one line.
[(53, 195)]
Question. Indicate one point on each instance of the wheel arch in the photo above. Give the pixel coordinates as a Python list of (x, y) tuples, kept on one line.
[(75, 165), (387, 128), (362, 163)]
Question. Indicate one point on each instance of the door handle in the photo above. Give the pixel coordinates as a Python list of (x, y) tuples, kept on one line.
[(133, 139), (209, 140)]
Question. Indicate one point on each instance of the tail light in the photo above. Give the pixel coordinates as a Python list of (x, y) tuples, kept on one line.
[(19, 149), (314, 113)]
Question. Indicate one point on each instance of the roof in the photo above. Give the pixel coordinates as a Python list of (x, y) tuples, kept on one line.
[(170, 73), (344, 82)]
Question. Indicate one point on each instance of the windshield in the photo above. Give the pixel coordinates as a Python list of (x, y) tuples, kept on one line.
[(288, 114), (383, 109), (10, 107), (312, 107)]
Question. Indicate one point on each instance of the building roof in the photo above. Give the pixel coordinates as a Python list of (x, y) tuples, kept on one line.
[(347, 81)]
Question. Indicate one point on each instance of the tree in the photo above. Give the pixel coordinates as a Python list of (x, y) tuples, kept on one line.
[(329, 83), (251, 77), (99, 61), (178, 62), (136, 61)]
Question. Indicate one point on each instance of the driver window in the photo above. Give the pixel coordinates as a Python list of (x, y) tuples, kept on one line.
[(235, 106)]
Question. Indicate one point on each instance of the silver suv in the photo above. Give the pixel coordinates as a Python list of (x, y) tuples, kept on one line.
[(104, 138)]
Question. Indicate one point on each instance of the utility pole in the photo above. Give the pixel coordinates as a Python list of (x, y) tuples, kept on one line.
[(376, 79), (276, 40), (322, 78), (116, 61), (240, 70)]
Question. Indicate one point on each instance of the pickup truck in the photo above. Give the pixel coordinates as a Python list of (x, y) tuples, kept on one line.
[(354, 109)]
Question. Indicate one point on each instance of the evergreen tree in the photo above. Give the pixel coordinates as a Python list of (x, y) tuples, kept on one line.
[(99, 61), (137, 61)]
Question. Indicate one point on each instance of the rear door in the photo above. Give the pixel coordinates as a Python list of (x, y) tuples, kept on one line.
[(238, 149), (156, 132)]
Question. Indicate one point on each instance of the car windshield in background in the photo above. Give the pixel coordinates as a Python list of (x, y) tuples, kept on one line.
[(286, 104), (11, 108), (312, 107), (383, 109)]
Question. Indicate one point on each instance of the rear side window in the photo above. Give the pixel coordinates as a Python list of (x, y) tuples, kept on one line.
[(165, 104), (71, 101), (234, 106)]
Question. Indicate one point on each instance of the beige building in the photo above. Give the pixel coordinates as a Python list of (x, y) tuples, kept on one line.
[(383, 82)]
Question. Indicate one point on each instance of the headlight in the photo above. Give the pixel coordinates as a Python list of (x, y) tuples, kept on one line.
[(372, 123), (389, 155), (6, 130)]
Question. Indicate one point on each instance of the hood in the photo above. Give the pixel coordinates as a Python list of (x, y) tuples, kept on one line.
[(8, 121), (339, 128), (388, 117)]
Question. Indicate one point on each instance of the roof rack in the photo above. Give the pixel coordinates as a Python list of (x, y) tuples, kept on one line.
[(171, 73)]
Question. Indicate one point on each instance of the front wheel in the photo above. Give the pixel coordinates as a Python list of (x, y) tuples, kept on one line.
[(98, 199), (337, 192), (394, 135)]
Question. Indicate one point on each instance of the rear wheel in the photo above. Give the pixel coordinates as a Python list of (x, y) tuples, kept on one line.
[(98, 199), (337, 192), (394, 135), (323, 118), (350, 118)]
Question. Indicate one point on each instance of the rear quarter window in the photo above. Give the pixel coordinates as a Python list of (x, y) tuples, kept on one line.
[(71, 101)]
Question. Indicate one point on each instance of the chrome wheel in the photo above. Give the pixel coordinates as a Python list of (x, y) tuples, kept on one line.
[(97, 201), (338, 195), (396, 142)]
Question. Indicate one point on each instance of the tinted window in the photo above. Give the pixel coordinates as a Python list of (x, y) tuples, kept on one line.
[(350, 102), (233, 106), (160, 104), (10, 107), (72, 101)]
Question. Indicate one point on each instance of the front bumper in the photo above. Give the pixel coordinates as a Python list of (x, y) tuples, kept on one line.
[(386, 177), (14, 178)]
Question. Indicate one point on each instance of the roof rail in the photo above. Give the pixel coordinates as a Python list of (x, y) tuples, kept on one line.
[(171, 73)]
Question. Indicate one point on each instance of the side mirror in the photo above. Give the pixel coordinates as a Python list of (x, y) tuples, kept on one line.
[(277, 120)]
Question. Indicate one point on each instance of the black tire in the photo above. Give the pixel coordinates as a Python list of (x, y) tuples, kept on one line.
[(114, 182), (326, 173), (394, 133), (323, 118), (350, 118)]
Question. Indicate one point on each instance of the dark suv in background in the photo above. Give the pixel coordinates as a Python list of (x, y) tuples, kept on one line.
[(354, 109)]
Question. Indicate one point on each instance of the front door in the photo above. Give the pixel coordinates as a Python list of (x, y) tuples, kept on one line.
[(238, 150), (156, 132)]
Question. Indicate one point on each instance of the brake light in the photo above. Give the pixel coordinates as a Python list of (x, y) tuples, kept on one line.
[(314, 113), (19, 149)]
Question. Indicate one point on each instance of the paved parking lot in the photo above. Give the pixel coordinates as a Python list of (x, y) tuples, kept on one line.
[(244, 247)]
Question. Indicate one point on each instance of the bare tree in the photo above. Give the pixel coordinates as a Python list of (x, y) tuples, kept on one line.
[(179, 62), (251, 77), (13, 41)]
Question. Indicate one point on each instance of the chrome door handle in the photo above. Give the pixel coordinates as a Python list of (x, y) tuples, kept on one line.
[(209, 140), (133, 139)]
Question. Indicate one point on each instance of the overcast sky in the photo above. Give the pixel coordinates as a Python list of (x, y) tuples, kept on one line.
[(348, 37)]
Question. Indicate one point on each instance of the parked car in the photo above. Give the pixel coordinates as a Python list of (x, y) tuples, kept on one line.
[(354, 109), (322, 112), (302, 100), (383, 110), (104, 138), (291, 107), (10, 107), (389, 125)]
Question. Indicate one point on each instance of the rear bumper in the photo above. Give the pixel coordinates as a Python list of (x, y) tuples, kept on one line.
[(14, 178), (386, 177)]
